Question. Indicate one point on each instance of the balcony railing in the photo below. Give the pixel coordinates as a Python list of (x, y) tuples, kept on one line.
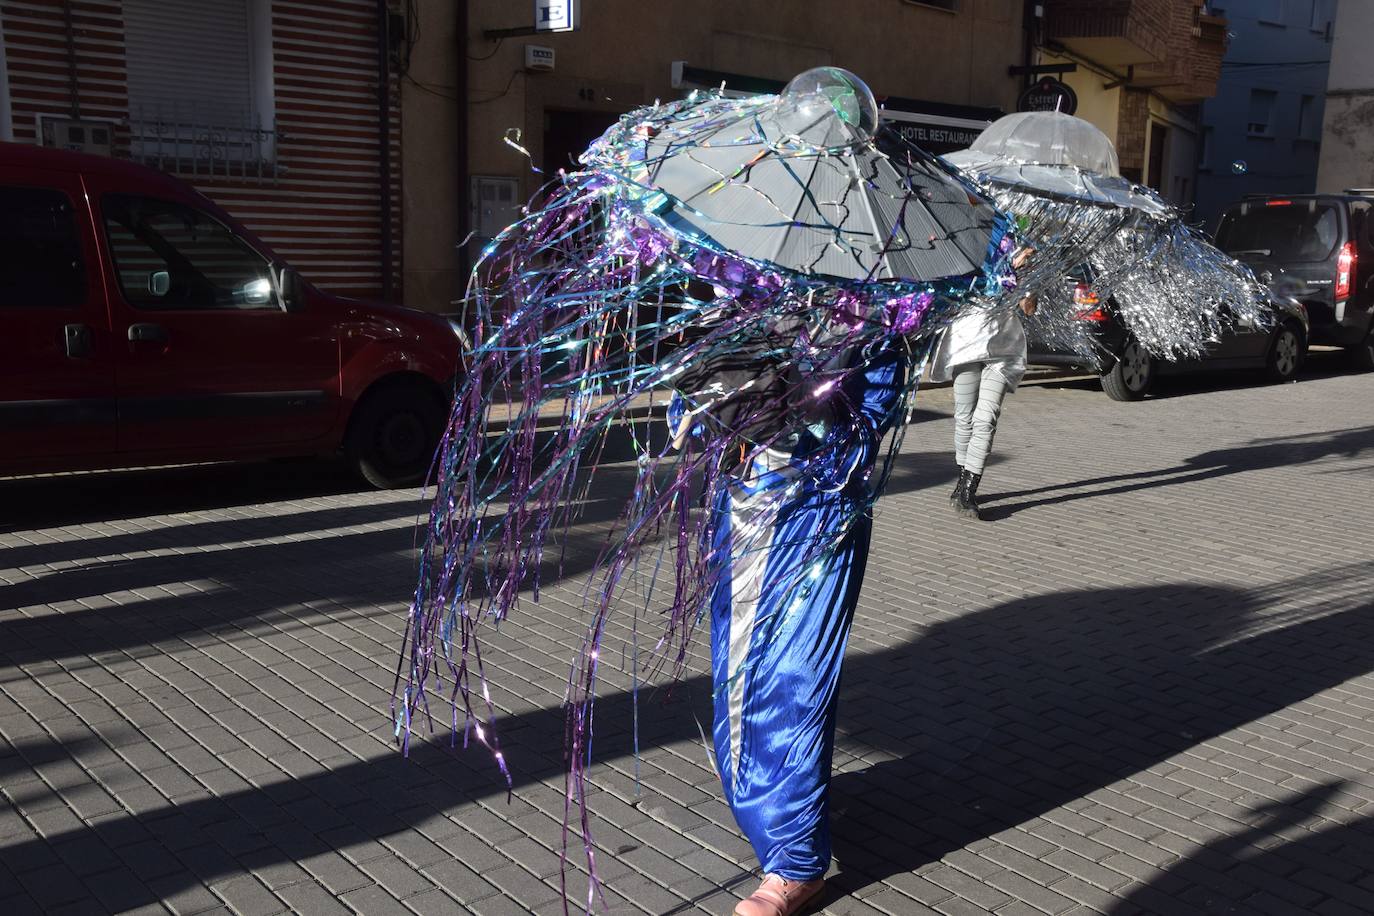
[(1210, 30)]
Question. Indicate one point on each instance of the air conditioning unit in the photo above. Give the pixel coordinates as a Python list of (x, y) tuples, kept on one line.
[(538, 57), (79, 136)]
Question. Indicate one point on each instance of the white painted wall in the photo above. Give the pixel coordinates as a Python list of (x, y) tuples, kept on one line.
[(1352, 66), (1347, 156)]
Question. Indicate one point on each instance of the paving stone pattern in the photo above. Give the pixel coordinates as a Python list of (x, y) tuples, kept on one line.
[(1145, 687)]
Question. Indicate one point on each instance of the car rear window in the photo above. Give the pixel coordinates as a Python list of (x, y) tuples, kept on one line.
[(40, 253), (1286, 232)]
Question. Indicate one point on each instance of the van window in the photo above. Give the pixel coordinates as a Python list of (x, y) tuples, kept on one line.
[(40, 251), (1288, 232), (171, 256)]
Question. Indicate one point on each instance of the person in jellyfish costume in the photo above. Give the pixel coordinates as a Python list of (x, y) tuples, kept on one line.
[(765, 275)]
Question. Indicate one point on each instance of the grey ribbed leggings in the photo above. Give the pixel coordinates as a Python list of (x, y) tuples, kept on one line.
[(978, 392)]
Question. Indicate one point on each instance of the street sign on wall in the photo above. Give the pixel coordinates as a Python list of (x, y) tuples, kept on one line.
[(557, 15), (1049, 94)]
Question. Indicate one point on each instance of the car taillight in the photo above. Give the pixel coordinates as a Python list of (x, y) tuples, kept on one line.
[(1345, 270), (1089, 310)]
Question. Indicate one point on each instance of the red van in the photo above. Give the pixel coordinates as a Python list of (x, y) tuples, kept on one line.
[(141, 325)]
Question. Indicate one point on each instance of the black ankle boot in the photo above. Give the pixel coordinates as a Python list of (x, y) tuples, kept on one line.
[(964, 499), (958, 485)]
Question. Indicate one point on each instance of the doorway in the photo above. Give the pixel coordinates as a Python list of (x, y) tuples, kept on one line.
[(1159, 142), (567, 134)]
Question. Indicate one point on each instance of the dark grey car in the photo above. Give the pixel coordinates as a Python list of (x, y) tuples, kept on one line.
[(1127, 369), (1323, 246)]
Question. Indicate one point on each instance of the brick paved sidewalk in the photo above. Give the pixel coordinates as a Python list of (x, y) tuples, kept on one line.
[(1157, 696)]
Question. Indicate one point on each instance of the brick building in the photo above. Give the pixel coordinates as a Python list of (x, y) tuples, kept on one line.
[(270, 107), (1141, 67)]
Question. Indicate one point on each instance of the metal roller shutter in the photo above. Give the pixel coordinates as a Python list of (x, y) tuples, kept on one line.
[(190, 62)]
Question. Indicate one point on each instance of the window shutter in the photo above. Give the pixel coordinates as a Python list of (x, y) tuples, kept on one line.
[(190, 62)]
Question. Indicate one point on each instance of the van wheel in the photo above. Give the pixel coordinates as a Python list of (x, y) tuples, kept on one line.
[(1285, 355), (393, 434), (1130, 378), (1362, 354)]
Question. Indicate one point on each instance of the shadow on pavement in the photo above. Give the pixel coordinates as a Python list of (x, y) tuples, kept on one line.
[(1320, 364), (1260, 454), (1006, 714), (120, 603), (1286, 861), (999, 717), (73, 499)]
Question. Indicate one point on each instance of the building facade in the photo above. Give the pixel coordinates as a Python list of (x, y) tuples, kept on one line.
[(1261, 133), (1140, 68), (1347, 151), (535, 101), (375, 143), (270, 107)]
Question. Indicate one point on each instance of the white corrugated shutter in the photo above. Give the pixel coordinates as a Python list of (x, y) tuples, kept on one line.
[(190, 62)]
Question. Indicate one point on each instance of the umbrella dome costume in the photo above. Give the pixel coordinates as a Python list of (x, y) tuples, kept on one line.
[(770, 267), (1058, 176)]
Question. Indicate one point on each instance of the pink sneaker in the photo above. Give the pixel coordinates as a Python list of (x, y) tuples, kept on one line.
[(777, 896)]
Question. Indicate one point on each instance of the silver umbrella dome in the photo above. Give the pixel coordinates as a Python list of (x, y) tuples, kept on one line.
[(1049, 138), (801, 180), (1058, 155)]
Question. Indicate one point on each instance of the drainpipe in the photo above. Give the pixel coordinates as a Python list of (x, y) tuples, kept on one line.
[(6, 113), (461, 139), (71, 60), (1029, 21), (384, 138)]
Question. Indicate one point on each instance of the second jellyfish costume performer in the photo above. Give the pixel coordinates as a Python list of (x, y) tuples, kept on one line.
[(770, 269)]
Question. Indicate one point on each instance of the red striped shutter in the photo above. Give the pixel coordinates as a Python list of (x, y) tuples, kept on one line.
[(318, 201)]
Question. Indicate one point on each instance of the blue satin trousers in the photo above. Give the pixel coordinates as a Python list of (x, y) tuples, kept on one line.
[(793, 534), (778, 635)]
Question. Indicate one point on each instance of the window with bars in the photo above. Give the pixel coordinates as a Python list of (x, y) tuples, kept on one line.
[(200, 83)]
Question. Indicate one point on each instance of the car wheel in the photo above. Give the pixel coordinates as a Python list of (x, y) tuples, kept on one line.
[(393, 434), (1285, 355), (1362, 354), (1131, 377)]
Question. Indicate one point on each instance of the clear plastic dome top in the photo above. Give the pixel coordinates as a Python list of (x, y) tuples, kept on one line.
[(1049, 138), (827, 106)]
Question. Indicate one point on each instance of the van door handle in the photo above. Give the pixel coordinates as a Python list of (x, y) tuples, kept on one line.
[(147, 332), (78, 340)]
